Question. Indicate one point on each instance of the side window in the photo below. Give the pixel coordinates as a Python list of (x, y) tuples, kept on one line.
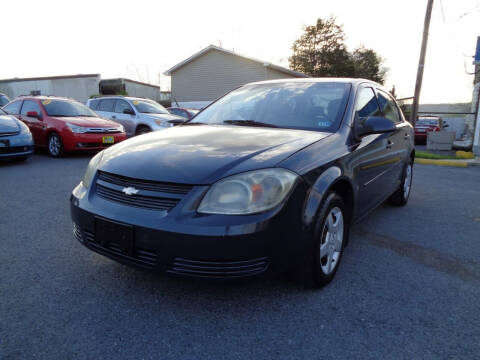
[(93, 104), (106, 105), (388, 107), (13, 108), (121, 105), (178, 112), (367, 105), (29, 105)]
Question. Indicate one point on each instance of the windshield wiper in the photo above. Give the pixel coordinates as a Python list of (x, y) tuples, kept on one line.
[(248, 123)]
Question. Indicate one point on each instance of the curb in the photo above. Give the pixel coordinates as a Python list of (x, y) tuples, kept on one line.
[(455, 163)]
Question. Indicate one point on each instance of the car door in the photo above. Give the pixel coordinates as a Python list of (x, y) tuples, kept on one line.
[(106, 108), (36, 125), (398, 140), (125, 115), (370, 154)]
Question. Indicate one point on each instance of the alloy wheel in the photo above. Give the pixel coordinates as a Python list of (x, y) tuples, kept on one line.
[(332, 240), (54, 145), (407, 184)]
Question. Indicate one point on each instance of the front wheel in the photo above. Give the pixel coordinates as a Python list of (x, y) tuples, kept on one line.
[(329, 238), (142, 129), (400, 197), (55, 145)]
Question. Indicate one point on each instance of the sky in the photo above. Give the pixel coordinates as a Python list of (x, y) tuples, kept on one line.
[(141, 39)]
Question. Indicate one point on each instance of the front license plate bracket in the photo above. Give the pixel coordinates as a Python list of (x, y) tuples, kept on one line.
[(111, 232)]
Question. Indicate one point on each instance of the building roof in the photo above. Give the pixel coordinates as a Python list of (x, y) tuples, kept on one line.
[(213, 47), (50, 78), (130, 80)]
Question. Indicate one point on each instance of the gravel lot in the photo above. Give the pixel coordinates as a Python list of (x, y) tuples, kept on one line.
[(408, 287)]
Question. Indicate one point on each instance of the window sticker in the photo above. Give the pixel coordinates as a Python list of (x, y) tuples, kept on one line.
[(46, 102), (136, 102)]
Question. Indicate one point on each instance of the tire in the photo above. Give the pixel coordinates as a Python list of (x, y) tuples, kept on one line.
[(328, 241), (401, 195), (55, 145), (142, 129)]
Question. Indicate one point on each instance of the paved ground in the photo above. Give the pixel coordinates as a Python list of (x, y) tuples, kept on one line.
[(408, 287)]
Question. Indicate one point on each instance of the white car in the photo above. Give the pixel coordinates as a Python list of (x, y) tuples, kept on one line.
[(137, 115)]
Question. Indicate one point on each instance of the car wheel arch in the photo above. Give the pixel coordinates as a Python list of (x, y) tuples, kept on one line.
[(142, 125), (332, 179)]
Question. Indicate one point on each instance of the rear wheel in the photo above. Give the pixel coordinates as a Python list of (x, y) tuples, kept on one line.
[(142, 129), (400, 197), (330, 235), (55, 145)]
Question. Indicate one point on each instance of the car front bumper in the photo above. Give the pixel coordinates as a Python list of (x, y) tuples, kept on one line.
[(183, 242), (86, 142), (16, 145)]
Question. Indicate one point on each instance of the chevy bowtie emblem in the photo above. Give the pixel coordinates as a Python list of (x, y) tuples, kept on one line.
[(129, 190)]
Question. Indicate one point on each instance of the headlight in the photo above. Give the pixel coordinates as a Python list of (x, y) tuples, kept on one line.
[(120, 128), (23, 128), (91, 169), (77, 129), (163, 123), (248, 193)]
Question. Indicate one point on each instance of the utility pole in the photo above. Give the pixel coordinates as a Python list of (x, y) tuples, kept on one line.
[(421, 63)]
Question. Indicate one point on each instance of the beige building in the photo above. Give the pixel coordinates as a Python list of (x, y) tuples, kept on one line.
[(214, 71)]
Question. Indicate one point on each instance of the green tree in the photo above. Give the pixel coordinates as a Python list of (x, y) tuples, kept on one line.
[(321, 52), (368, 64)]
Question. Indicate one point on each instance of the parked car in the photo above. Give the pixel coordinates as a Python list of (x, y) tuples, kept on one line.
[(3, 100), (269, 179), (183, 112), (16, 140), (64, 125), (425, 124), (137, 115)]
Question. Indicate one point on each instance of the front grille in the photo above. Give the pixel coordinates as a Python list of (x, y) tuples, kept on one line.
[(219, 269), (146, 202), (9, 133), (124, 181), (140, 257), (102, 131), (149, 195), (13, 149)]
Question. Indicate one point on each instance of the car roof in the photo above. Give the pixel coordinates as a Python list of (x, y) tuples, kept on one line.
[(119, 97), (42, 97), (319, 80)]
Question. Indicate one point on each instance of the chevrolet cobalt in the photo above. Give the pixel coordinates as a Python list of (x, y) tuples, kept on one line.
[(268, 178)]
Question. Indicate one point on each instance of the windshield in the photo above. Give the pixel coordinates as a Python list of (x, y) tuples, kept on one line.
[(66, 108), (3, 112), (295, 105), (193, 112), (149, 107), (3, 100), (427, 122)]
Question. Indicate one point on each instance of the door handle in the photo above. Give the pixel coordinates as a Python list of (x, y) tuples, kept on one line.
[(114, 117), (406, 136), (389, 144)]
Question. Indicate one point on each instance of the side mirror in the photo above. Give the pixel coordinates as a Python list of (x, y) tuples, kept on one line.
[(445, 125), (176, 122), (128, 111), (34, 114), (375, 125)]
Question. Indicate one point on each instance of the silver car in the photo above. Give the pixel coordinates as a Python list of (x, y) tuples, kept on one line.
[(137, 115)]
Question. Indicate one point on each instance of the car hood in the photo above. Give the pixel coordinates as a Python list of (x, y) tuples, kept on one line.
[(87, 121), (8, 124), (203, 154)]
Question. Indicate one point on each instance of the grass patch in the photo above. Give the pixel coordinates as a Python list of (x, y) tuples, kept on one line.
[(427, 155)]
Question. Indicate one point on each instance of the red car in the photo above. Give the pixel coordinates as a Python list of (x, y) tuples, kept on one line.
[(425, 124), (64, 125)]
